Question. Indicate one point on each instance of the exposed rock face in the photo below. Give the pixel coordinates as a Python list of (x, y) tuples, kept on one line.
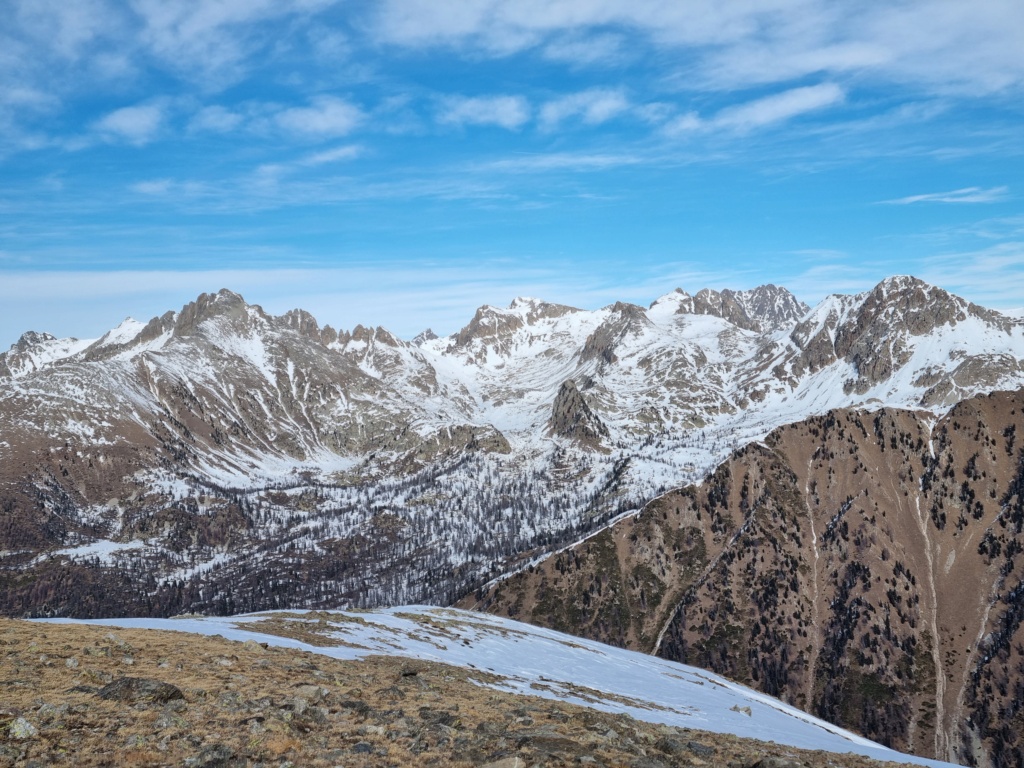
[(571, 417), (764, 309), (624, 320), (865, 566), (423, 337)]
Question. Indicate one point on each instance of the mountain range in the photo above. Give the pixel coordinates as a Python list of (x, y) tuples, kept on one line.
[(222, 459)]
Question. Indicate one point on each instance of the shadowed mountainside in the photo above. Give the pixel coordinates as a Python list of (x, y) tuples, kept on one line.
[(865, 566)]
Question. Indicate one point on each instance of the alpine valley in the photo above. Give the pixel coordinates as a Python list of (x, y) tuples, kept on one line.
[(825, 503)]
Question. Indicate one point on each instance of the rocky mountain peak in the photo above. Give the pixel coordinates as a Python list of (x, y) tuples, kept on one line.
[(623, 320), (31, 339), (677, 300), (764, 309), (302, 321), (26, 353), (724, 305), (423, 337), (770, 306), (912, 303), (369, 336), (571, 417), (225, 305), (490, 326), (525, 302)]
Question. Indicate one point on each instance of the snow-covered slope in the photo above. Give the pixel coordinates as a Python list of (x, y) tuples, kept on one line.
[(550, 664)]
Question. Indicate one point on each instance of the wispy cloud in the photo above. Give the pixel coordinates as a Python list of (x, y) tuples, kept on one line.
[(335, 155), (216, 119), (213, 43), (586, 50), (152, 186), (935, 46), (137, 125), (509, 112), (270, 175), (965, 195), (992, 277), (327, 116), (780, 107), (593, 107), (561, 161), (766, 111)]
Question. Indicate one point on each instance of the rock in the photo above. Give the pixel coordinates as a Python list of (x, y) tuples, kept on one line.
[(91, 689), (358, 706), (742, 710), (313, 694), (573, 418), (778, 762), (22, 729), (363, 748), (439, 717), (700, 750), (140, 689), (507, 762), (118, 643), (648, 762), (215, 756)]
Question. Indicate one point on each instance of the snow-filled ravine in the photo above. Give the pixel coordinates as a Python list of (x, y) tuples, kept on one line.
[(550, 664)]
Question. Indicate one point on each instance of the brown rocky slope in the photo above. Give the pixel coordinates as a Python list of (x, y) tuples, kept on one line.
[(89, 696), (865, 566)]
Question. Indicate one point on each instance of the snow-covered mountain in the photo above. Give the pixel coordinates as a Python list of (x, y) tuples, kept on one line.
[(222, 459), (525, 659)]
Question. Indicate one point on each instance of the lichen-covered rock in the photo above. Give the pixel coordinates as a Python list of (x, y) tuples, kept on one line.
[(139, 689), (21, 729)]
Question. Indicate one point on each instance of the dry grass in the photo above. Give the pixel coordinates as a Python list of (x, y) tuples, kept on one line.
[(249, 705)]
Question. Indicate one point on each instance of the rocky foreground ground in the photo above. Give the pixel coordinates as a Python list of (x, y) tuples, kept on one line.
[(90, 696)]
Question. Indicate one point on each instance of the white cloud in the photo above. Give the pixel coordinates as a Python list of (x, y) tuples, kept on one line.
[(137, 125), (509, 112), (939, 45), (586, 50), (66, 28), (776, 108), (212, 40), (780, 107), (327, 116), (562, 161), (593, 107), (215, 119), (338, 154), (269, 176), (965, 195), (152, 186), (992, 277)]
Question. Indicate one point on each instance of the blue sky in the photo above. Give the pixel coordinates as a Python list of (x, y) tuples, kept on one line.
[(401, 162)]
